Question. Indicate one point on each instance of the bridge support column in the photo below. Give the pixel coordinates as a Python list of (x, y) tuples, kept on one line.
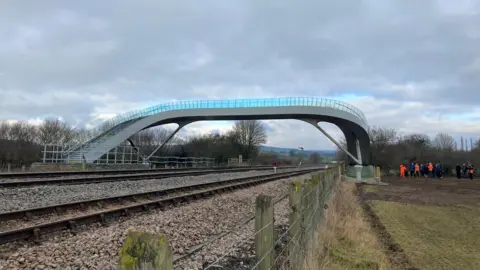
[(359, 167), (180, 125)]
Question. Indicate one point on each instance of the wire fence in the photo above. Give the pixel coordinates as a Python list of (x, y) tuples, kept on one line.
[(285, 248)]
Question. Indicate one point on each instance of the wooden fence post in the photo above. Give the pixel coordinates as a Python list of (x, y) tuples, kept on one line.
[(303, 221), (316, 200), (264, 232), (320, 198), (310, 215), (145, 251), (295, 222)]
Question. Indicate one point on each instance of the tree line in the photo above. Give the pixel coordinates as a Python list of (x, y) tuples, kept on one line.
[(390, 149), (22, 142)]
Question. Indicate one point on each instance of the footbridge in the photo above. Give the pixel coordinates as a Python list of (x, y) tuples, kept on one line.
[(311, 110)]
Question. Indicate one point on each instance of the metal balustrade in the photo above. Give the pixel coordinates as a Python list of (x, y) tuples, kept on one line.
[(232, 103)]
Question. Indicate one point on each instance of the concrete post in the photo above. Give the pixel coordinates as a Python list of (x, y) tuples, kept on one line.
[(264, 256), (379, 174), (145, 251), (44, 153), (358, 172)]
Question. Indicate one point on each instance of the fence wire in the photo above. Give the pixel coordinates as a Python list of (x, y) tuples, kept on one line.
[(310, 210), (289, 249)]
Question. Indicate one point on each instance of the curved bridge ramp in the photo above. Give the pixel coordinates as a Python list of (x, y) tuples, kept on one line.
[(348, 118)]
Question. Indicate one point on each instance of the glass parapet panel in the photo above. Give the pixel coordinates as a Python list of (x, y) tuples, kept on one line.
[(230, 103)]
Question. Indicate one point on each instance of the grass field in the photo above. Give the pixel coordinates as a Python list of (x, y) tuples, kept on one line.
[(433, 224)]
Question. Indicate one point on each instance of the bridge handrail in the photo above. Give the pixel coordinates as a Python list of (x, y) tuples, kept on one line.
[(228, 103)]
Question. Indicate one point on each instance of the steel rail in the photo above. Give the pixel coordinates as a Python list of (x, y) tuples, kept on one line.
[(14, 175), (58, 208), (36, 231), (118, 178)]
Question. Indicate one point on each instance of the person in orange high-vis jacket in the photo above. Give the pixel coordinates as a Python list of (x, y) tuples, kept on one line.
[(417, 170), (402, 171), (430, 170)]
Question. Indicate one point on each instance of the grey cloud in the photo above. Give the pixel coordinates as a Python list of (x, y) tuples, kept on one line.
[(144, 52)]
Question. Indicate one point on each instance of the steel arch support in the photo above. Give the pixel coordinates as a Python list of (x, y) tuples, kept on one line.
[(353, 145), (132, 144), (180, 125)]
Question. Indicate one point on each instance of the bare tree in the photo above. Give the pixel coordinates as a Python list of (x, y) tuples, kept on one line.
[(249, 135), (4, 130), (54, 131), (444, 142), (150, 139), (22, 131), (82, 135)]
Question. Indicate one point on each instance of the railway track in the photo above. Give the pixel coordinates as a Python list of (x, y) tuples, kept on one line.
[(120, 177), (114, 207), (114, 172)]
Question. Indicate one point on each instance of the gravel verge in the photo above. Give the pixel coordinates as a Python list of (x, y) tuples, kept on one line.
[(26, 179), (236, 251), (186, 226), (40, 196)]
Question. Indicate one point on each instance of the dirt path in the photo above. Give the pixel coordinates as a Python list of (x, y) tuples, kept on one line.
[(395, 254)]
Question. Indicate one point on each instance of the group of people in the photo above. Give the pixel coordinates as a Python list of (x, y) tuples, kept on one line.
[(426, 169), (466, 170)]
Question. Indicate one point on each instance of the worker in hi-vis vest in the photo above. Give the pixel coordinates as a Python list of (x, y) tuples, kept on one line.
[(402, 171), (430, 170)]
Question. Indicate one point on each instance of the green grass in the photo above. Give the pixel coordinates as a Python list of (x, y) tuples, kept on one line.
[(346, 240), (368, 188), (434, 237)]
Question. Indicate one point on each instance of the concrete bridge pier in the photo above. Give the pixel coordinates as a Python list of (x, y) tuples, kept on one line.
[(358, 167)]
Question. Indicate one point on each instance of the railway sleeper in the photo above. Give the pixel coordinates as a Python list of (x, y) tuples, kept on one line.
[(36, 235), (72, 226), (103, 220), (28, 216), (161, 206)]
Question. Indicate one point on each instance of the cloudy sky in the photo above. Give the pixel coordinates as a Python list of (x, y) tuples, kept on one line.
[(408, 64)]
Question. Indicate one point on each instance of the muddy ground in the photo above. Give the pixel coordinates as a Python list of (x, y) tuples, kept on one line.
[(441, 192)]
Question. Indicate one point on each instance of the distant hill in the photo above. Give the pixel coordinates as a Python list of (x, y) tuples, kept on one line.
[(286, 151)]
